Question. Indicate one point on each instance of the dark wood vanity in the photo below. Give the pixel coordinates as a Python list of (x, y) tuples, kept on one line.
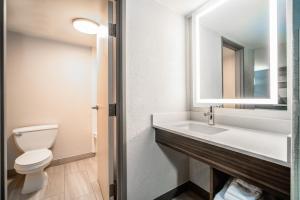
[(273, 178)]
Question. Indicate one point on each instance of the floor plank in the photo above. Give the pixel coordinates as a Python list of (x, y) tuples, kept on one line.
[(77, 184), (75, 180), (97, 190), (56, 197), (56, 184), (56, 169), (86, 197)]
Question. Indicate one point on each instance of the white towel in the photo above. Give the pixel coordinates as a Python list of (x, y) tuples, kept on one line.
[(241, 190), (220, 195)]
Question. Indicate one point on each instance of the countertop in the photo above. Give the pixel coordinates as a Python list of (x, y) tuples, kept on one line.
[(269, 146)]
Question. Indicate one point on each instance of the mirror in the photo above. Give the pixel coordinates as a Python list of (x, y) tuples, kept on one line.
[(239, 53)]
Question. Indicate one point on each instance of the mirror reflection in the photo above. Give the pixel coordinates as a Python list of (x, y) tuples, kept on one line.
[(233, 38)]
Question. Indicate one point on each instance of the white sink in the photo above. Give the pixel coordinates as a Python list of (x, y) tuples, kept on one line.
[(200, 128)]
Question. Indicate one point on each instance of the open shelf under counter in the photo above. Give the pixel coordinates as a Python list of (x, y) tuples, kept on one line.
[(272, 177)]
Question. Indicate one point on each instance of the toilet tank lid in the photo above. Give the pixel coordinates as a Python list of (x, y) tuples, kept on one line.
[(35, 128)]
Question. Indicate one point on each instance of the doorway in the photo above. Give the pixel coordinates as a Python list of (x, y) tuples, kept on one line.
[(232, 71), (110, 137), (232, 65)]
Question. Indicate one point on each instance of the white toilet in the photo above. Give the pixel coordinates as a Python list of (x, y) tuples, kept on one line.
[(35, 142)]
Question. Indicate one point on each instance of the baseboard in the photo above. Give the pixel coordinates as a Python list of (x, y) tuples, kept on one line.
[(12, 172), (183, 188), (72, 159), (174, 192), (200, 191)]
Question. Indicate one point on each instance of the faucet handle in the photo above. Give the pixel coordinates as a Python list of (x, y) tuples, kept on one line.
[(210, 115)]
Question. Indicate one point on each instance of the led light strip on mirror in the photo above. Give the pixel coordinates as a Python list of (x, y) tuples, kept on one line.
[(273, 48)]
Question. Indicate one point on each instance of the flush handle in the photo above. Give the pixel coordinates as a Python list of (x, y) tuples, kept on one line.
[(95, 107), (18, 134)]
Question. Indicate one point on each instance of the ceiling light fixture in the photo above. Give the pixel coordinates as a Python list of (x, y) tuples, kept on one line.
[(85, 26)]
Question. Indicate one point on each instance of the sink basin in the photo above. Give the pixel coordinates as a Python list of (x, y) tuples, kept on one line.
[(201, 128)]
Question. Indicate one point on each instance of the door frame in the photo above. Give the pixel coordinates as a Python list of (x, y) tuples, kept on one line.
[(239, 64), (120, 95), (2, 135), (121, 176)]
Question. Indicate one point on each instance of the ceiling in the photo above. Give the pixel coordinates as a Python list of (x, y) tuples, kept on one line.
[(182, 7), (52, 19), (243, 21)]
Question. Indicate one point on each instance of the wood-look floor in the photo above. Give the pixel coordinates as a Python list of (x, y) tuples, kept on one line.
[(72, 181)]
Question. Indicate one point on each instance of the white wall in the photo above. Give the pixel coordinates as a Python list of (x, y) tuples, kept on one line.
[(249, 71), (211, 64), (210, 44), (48, 82), (262, 57), (155, 83)]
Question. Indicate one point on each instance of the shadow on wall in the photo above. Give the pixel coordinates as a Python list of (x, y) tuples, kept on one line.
[(11, 143), (172, 155), (149, 164)]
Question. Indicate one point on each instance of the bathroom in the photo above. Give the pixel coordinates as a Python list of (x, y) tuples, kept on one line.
[(56, 56), (201, 98)]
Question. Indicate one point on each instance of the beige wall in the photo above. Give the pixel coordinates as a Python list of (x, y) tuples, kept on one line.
[(49, 82)]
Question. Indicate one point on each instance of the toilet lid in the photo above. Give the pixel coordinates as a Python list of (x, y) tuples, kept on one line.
[(33, 157)]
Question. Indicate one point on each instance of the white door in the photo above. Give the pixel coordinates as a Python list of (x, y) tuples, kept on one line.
[(105, 124)]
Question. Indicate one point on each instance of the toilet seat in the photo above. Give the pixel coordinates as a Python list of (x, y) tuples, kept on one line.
[(34, 159)]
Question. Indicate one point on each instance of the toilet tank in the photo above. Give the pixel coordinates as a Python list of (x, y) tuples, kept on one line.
[(35, 137)]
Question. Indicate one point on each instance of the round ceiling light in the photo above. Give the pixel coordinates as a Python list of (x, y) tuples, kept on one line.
[(85, 26)]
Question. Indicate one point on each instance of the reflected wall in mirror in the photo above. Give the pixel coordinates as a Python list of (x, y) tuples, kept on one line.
[(239, 53)]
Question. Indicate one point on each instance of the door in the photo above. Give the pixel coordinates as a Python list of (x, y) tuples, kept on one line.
[(2, 135), (104, 95)]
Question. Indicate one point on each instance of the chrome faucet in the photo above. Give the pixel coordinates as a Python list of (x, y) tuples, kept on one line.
[(211, 116)]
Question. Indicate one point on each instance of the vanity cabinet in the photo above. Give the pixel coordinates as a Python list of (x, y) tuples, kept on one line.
[(273, 178)]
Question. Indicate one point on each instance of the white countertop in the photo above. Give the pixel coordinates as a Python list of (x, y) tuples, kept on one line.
[(269, 146)]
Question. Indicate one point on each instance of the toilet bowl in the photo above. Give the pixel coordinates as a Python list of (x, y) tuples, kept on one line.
[(32, 164), (35, 142)]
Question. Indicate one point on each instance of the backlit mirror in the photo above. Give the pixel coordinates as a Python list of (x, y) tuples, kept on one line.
[(239, 53)]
